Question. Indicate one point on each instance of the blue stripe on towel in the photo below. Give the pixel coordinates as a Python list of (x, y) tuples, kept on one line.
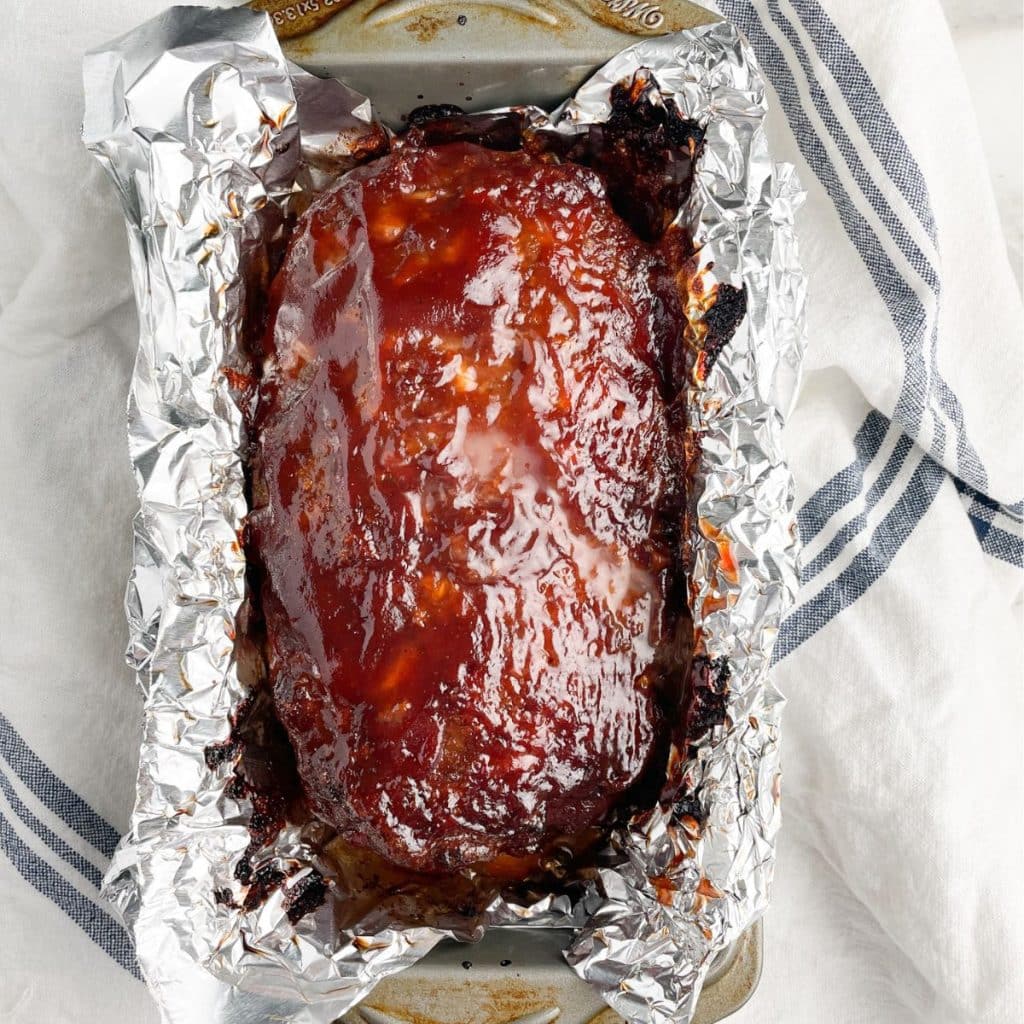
[(110, 936), (922, 381), (1005, 544), (875, 494), (54, 793), (1000, 544), (48, 836), (874, 195), (903, 304), (842, 488), (937, 391), (887, 538), (873, 118)]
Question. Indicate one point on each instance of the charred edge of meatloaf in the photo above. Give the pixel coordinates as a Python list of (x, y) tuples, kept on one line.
[(265, 774), (722, 320), (709, 697), (644, 153)]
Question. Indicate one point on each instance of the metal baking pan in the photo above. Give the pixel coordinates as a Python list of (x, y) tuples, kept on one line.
[(518, 976), (477, 54), (481, 54)]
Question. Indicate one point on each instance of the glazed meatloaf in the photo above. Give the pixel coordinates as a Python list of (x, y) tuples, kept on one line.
[(467, 505)]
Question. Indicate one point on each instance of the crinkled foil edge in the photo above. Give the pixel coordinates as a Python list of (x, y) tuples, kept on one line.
[(197, 116), (691, 878)]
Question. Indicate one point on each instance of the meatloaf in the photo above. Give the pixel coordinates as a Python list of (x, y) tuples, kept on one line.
[(467, 497)]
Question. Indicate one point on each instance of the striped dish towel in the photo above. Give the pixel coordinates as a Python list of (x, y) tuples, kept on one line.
[(898, 896)]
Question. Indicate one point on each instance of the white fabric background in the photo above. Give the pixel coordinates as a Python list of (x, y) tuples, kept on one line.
[(899, 896), (987, 37)]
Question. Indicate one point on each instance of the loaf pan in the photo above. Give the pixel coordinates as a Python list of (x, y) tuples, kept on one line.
[(482, 55)]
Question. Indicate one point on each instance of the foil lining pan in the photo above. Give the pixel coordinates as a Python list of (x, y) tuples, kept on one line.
[(210, 137)]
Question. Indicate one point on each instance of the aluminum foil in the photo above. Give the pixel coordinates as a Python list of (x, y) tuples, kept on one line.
[(211, 136)]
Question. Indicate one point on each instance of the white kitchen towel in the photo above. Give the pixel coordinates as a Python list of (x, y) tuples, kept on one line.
[(899, 896)]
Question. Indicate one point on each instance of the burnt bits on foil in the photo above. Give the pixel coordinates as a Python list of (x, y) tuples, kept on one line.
[(212, 139)]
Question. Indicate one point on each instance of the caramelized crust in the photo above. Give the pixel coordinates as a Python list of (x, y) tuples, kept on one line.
[(467, 498)]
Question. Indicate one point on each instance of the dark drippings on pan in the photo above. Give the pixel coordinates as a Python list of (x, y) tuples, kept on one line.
[(644, 155)]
